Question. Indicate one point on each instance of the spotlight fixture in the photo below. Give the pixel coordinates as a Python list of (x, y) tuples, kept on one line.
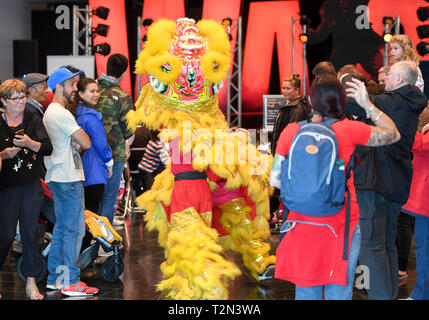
[(423, 13), (387, 37), (103, 49), (101, 12), (147, 22), (388, 20), (101, 30), (423, 31), (304, 20), (303, 37), (227, 22), (422, 48)]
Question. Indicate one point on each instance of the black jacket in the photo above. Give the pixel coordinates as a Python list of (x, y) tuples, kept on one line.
[(32, 107), (388, 169), (31, 162), (294, 111)]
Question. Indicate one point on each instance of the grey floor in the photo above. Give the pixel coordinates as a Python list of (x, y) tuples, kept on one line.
[(142, 259)]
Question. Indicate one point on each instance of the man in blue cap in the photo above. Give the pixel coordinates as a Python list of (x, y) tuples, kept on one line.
[(64, 177)]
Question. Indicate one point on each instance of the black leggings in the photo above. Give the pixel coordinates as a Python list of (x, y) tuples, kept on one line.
[(93, 197), (404, 239)]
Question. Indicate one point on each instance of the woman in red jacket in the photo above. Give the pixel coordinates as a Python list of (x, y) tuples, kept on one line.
[(310, 254), (418, 206)]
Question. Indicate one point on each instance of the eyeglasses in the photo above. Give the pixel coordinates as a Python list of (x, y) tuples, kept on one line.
[(42, 86), (18, 99)]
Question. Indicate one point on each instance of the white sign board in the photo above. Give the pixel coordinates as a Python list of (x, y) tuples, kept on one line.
[(84, 63)]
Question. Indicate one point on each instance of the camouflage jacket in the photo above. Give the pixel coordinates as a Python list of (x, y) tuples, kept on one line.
[(114, 104)]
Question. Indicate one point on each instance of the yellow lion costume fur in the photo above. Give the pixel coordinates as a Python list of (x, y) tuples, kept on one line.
[(186, 63)]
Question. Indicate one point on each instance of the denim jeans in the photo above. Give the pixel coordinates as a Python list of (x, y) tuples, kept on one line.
[(378, 217), (421, 238), (335, 291), (68, 232), (110, 196)]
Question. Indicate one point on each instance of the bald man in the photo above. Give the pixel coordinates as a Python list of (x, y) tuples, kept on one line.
[(382, 177)]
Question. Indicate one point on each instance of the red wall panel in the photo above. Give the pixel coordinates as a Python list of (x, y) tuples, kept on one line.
[(116, 38), (268, 20)]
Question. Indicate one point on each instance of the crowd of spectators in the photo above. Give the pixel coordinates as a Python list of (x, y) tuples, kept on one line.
[(69, 133)]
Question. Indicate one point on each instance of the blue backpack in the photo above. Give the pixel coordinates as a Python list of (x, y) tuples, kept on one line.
[(313, 178)]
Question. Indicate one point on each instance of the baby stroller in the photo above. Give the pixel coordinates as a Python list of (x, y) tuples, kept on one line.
[(103, 233)]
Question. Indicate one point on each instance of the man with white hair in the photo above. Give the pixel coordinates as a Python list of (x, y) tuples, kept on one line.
[(382, 178)]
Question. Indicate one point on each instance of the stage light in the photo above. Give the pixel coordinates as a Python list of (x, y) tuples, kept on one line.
[(101, 30), (387, 37), (103, 49), (422, 48), (101, 12), (227, 22), (423, 31), (304, 20), (423, 13), (147, 22), (388, 20), (303, 37)]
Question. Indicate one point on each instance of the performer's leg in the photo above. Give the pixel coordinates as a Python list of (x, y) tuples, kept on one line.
[(246, 236), (195, 268)]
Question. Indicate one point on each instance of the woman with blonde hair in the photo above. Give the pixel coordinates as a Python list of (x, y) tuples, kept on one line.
[(295, 109), (401, 49)]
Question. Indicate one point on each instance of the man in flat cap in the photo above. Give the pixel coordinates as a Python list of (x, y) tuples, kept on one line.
[(37, 89)]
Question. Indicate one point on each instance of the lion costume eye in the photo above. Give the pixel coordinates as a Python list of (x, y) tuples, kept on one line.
[(154, 59), (216, 62)]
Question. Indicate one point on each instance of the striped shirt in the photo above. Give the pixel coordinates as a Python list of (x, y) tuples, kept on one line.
[(153, 155)]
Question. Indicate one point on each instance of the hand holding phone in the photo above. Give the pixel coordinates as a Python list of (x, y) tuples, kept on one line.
[(21, 140), (20, 132)]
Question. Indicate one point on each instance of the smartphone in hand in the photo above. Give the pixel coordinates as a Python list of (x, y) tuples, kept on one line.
[(20, 132)]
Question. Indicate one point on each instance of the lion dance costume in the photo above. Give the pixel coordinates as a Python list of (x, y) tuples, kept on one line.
[(212, 196)]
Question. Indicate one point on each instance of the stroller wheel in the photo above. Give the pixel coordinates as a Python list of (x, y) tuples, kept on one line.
[(111, 269), (43, 272)]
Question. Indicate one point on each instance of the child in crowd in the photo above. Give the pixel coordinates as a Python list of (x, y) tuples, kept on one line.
[(401, 49), (153, 161)]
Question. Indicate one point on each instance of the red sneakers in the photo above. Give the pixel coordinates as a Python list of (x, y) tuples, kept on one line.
[(79, 289)]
